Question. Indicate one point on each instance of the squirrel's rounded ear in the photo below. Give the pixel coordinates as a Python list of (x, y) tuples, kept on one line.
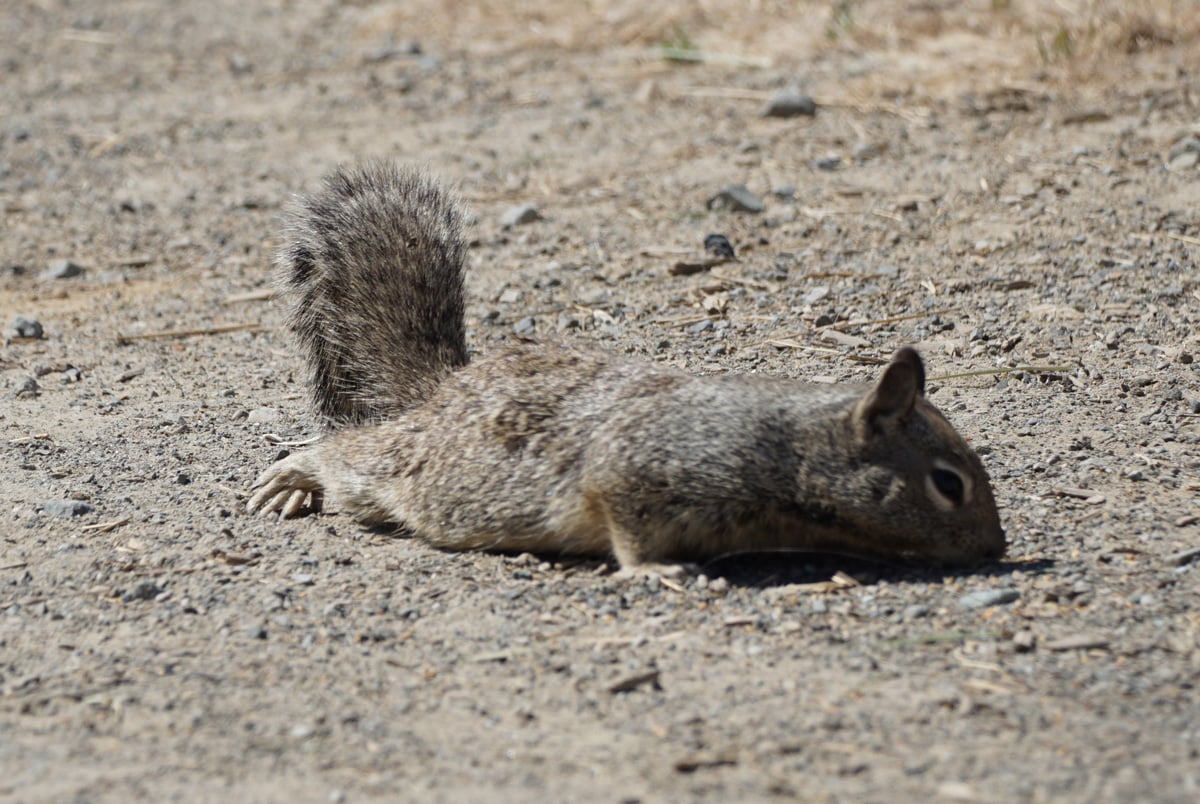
[(897, 390)]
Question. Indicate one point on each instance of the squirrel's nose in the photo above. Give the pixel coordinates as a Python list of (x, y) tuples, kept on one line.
[(996, 550)]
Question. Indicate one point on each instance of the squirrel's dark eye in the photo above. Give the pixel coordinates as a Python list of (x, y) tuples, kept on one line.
[(948, 483)]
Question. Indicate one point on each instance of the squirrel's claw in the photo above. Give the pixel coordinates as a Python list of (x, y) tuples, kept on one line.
[(285, 487)]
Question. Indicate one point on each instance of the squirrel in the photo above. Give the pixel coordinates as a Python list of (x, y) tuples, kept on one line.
[(553, 448)]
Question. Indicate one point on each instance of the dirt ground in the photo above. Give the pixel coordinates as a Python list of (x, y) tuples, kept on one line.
[(1007, 185)]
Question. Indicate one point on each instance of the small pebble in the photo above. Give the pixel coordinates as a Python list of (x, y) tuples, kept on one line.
[(988, 597), (26, 327), (1184, 557), (62, 269), (700, 327), (519, 216), (66, 507), (146, 590), (1185, 161), (718, 245), (827, 163), (736, 198), (263, 416), (29, 389), (526, 326), (1189, 144), (868, 150), (789, 103)]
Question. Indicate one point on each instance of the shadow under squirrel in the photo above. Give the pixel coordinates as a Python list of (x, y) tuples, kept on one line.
[(556, 449)]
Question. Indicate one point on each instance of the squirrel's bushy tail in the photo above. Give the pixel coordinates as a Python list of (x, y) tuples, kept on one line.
[(371, 271)]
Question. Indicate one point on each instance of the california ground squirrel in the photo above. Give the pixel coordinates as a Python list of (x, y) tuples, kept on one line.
[(554, 449)]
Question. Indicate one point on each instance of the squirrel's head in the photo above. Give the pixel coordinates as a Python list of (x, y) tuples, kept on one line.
[(924, 491)]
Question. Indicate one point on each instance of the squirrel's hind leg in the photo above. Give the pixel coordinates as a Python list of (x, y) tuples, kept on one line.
[(636, 558), (286, 486)]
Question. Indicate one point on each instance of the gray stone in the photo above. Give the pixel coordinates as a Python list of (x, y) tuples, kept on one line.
[(736, 198), (66, 507), (146, 590), (789, 103), (1184, 161), (868, 150), (263, 416), (1188, 144), (526, 326), (62, 269), (29, 389), (988, 597), (519, 216), (26, 327)]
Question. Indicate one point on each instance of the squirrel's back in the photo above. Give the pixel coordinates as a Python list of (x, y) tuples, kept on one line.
[(372, 275)]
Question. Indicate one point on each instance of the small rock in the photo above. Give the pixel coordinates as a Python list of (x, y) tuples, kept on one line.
[(1184, 161), (183, 478), (1183, 557), (718, 245), (718, 586), (868, 150), (526, 326), (303, 579), (700, 327), (62, 269), (785, 192), (29, 389), (66, 507), (988, 597), (915, 611), (736, 198), (816, 294), (1024, 641), (263, 416), (789, 103), (146, 590), (26, 327), (519, 216), (256, 632), (1185, 358), (567, 321), (239, 64), (1189, 144), (827, 163)]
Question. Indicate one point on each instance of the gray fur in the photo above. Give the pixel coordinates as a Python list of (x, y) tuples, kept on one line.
[(554, 449)]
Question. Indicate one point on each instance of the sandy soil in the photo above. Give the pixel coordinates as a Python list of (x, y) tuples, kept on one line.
[(1008, 185)]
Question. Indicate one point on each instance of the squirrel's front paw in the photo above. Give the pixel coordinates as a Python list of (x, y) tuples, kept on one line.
[(289, 486)]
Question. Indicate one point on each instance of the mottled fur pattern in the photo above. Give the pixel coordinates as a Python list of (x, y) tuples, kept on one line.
[(560, 450)]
